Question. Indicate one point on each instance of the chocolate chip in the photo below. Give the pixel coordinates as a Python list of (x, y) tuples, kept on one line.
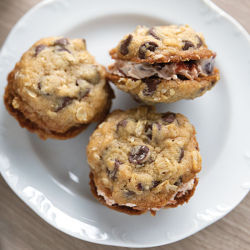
[(151, 46), (182, 77), (138, 154), (39, 85), (155, 184), (209, 68), (63, 49), (124, 45), (61, 42), (190, 64), (140, 187), (39, 48), (153, 34), (148, 130), (151, 83), (122, 123), (178, 182), (65, 101), (187, 45), (112, 174), (169, 117), (77, 83), (181, 155), (200, 43)]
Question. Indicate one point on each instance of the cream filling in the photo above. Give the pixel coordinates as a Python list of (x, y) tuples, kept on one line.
[(111, 202), (179, 193), (168, 71)]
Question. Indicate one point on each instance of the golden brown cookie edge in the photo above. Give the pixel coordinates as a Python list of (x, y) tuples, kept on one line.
[(132, 211), (34, 128), (207, 82)]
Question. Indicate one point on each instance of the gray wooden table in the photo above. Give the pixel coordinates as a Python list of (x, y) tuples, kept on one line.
[(22, 229)]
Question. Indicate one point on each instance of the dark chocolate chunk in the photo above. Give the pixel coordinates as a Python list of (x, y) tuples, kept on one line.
[(151, 83), (148, 130), (181, 155), (178, 182), (153, 34), (61, 42), (200, 43), (151, 46), (140, 187), (122, 123), (187, 45), (155, 184), (39, 48), (182, 77), (65, 101), (112, 174), (169, 117), (64, 49), (190, 64), (124, 45), (138, 154), (209, 67), (39, 85)]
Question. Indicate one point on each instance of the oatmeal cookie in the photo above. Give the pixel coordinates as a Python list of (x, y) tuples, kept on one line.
[(57, 88), (143, 161)]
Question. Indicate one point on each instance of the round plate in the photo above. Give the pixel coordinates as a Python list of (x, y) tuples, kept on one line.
[(51, 176)]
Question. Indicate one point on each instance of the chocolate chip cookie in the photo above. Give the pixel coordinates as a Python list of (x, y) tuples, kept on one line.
[(163, 64), (57, 88), (143, 161)]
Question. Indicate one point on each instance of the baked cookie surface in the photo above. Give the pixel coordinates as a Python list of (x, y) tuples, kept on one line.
[(57, 88), (163, 64), (162, 44), (142, 161)]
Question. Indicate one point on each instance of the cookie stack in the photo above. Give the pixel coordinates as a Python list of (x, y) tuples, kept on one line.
[(140, 160), (163, 64)]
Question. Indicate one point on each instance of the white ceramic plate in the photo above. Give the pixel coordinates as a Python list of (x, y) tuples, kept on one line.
[(51, 176)]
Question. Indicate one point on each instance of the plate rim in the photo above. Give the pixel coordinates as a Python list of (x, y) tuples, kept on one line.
[(32, 10)]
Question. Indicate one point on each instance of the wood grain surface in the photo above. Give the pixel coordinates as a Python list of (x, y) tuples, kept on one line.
[(22, 229)]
